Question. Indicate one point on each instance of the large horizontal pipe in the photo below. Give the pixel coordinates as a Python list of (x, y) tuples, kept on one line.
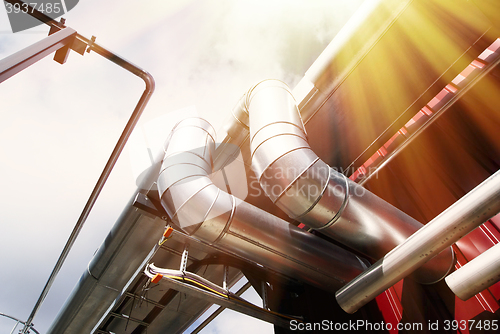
[(476, 207), (476, 275), (309, 191), (203, 210)]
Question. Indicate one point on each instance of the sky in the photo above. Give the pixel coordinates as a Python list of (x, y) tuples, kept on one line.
[(59, 123)]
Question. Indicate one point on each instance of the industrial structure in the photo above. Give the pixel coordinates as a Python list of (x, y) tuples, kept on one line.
[(371, 196)]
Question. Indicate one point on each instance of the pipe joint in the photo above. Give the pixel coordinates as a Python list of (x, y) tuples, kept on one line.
[(203, 210), (310, 191)]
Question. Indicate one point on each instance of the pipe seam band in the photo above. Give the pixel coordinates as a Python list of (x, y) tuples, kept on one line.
[(342, 207), (292, 184), (228, 223), (189, 198)]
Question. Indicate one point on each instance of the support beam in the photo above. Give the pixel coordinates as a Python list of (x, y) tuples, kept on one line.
[(20, 60), (128, 318), (219, 310), (233, 304)]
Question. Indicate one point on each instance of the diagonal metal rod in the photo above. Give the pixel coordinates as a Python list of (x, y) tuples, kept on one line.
[(134, 118), (219, 310), (456, 97), (233, 303), (20, 60), (102, 179)]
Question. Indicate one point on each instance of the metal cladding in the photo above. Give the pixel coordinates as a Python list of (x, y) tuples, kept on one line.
[(109, 271), (469, 212), (476, 275), (312, 192), (203, 210)]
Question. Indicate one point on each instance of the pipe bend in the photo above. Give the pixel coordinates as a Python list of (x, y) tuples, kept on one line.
[(149, 81), (203, 210), (310, 191)]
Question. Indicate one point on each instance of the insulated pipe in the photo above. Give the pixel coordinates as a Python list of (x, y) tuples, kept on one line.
[(476, 275), (203, 210), (469, 212), (237, 131), (309, 191)]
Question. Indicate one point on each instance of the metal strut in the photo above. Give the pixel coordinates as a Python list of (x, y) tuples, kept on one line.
[(61, 39), (193, 284)]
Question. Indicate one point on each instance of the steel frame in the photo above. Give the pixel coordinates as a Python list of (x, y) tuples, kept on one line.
[(20, 60), (61, 37), (250, 310)]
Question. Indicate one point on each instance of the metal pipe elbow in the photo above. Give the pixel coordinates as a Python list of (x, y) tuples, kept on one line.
[(201, 209), (310, 191), (186, 191)]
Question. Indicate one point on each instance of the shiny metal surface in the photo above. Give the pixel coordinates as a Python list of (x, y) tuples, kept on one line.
[(17, 62), (468, 84), (476, 275), (228, 301), (236, 129), (160, 310), (319, 207), (308, 190), (109, 271), (201, 209), (18, 322), (451, 225)]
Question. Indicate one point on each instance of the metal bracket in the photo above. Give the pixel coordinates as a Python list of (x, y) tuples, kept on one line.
[(264, 295), (225, 278), (91, 44), (184, 259)]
